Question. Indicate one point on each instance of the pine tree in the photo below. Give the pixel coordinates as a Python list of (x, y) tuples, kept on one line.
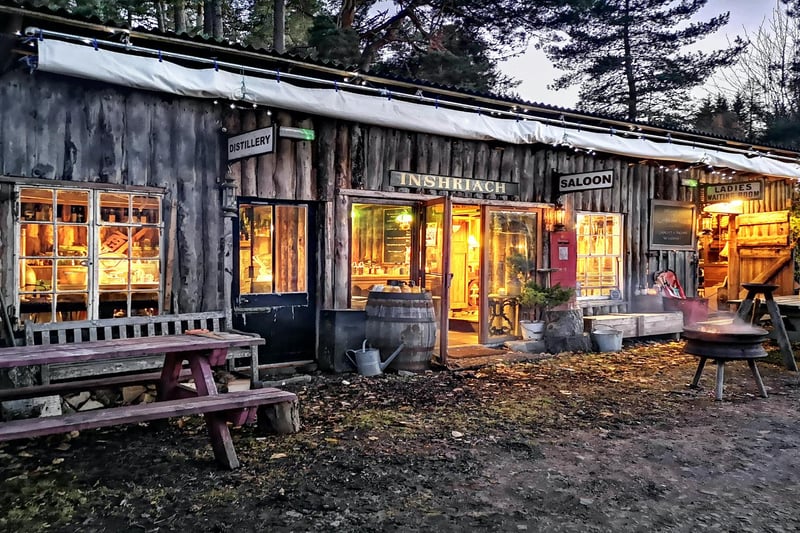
[(719, 118), (628, 56), (457, 57), (419, 37)]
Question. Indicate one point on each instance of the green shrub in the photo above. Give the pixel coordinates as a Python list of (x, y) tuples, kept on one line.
[(534, 295)]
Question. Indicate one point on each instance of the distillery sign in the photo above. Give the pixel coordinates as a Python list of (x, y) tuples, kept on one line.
[(261, 141), (450, 183), (597, 179), (745, 190)]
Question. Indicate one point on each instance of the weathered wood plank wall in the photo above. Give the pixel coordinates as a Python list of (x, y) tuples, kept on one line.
[(79, 131), (764, 249), (373, 152), (60, 129)]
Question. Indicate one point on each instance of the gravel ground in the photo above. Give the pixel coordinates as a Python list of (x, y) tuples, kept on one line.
[(575, 442)]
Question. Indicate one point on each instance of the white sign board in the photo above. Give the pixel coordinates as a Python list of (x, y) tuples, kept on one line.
[(254, 142), (598, 179), (745, 190)]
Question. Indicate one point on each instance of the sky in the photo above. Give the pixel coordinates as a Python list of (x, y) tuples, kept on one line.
[(536, 72)]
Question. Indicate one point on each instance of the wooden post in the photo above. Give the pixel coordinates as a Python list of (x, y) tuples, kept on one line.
[(249, 180), (169, 267), (280, 418)]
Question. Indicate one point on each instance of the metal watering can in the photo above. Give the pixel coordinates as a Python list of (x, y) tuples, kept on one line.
[(368, 361)]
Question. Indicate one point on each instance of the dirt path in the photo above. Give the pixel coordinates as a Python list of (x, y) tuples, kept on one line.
[(598, 442)]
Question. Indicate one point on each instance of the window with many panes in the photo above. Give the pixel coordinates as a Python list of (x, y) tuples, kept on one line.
[(88, 254), (599, 268)]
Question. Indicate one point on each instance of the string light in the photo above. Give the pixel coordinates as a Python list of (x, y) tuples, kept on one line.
[(513, 113)]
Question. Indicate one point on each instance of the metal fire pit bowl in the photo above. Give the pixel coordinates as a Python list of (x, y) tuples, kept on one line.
[(726, 342)]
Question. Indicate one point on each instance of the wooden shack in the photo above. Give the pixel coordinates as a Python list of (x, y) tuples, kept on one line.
[(123, 191)]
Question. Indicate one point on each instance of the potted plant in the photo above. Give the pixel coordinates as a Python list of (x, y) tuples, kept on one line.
[(534, 299), (535, 296)]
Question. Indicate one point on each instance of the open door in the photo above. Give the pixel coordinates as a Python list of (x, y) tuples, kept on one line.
[(437, 221), (511, 254), (761, 252)]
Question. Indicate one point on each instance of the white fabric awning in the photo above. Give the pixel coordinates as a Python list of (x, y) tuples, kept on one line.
[(153, 74)]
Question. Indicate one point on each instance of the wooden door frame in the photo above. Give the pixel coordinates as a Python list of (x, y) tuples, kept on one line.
[(486, 210), (444, 305)]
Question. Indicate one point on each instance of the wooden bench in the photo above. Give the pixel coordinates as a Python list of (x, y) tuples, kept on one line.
[(239, 407), (273, 408), (130, 327)]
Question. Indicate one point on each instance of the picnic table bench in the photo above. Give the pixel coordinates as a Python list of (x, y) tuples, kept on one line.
[(273, 408), (76, 331)]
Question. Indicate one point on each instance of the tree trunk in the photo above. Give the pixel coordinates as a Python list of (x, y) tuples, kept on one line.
[(217, 27), (179, 16), (212, 18), (347, 14), (199, 21), (161, 16), (279, 30), (563, 331), (629, 70)]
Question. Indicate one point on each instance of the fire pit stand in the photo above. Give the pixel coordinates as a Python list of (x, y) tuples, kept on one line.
[(723, 346)]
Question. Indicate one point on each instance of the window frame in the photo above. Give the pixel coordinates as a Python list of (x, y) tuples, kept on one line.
[(251, 301), (358, 301), (618, 257), (93, 225)]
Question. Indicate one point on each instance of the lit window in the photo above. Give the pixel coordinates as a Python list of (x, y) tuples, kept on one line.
[(272, 249), (599, 266), (88, 254), (380, 248)]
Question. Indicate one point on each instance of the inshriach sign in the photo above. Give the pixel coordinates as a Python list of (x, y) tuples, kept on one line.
[(450, 183), (261, 141), (598, 179)]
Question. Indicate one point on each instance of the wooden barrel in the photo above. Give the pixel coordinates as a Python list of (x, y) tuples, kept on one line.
[(402, 318)]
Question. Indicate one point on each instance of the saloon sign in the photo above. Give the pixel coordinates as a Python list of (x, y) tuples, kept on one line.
[(745, 190), (598, 179)]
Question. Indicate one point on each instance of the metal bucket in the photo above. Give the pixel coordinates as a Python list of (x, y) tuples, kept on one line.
[(533, 331), (607, 340)]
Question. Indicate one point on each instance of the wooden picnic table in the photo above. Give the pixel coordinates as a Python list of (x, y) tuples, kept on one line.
[(789, 302), (202, 351), (789, 306), (209, 346), (749, 303)]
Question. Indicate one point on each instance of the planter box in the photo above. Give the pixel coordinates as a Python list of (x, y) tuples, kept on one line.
[(637, 324)]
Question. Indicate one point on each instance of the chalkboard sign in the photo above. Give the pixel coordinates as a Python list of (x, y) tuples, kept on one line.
[(396, 236), (672, 225)]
